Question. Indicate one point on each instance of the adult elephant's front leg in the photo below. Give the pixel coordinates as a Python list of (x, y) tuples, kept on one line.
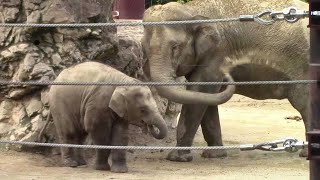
[(211, 131), (188, 125)]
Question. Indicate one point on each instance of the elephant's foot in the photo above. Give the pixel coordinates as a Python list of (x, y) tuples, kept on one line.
[(119, 168), (70, 162), (180, 156), (104, 167), (303, 153), (81, 162), (214, 153)]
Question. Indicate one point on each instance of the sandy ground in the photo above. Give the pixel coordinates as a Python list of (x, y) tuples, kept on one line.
[(243, 121)]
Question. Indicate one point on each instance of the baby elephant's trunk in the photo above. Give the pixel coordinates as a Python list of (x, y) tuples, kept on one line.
[(158, 128)]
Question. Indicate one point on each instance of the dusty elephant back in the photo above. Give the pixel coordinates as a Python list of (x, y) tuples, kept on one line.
[(232, 8), (288, 42), (217, 8), (92, 72), (84, 72)]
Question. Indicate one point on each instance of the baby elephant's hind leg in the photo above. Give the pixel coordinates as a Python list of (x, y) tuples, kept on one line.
[(100, 132), (101, 154)]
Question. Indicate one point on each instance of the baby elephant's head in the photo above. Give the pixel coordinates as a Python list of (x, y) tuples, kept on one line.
[(137, 105)]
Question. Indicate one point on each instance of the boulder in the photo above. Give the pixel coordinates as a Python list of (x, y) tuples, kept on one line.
[(40, 54)]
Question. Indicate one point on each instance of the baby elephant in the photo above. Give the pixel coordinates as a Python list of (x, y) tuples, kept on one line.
[(102, 112)]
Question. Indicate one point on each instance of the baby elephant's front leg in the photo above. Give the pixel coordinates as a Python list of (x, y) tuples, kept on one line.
[(119, 138)]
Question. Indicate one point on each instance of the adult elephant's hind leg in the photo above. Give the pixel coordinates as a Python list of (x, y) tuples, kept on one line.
[(211, 131), (67, 153), (78, 152), (188, 125), (66, 137), (299, 99)]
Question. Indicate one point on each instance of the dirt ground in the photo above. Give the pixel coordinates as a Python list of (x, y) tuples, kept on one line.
[(243, 121)]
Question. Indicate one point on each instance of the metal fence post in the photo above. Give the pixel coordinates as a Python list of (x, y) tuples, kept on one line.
[(314, 66)]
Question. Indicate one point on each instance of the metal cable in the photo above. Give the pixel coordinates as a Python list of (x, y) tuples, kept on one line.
[(285, 14), (121, 147), (287, 144), (75, 25), (46, 83)]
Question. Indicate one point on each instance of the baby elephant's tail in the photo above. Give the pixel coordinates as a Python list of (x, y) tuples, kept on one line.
[(40, 136)]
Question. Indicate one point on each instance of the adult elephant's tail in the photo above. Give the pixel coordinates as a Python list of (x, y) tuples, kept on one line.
[(41, 133)]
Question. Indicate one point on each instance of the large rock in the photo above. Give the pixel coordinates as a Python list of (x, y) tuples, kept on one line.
[(39, 54), (5, 110)]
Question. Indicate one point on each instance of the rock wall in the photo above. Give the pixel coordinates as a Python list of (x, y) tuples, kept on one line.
[(39, 54)]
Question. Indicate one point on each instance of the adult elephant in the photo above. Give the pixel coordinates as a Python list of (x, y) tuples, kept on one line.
[(204, 52)]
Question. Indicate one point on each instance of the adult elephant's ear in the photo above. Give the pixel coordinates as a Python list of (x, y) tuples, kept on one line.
[(206, 37), (118, 101), (197, 27)]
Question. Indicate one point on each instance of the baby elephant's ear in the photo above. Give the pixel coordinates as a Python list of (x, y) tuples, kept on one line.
[(118, 101)]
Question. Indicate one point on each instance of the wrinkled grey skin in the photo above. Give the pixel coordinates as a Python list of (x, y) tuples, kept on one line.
[(101, 112), (203, 52)]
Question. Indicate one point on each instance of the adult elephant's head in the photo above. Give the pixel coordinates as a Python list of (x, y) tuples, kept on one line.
[(174, 51)]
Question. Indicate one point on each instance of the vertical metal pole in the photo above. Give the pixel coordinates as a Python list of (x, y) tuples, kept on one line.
[(314, 66)]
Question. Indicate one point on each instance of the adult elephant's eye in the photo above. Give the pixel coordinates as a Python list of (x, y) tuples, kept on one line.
[(175, 50)]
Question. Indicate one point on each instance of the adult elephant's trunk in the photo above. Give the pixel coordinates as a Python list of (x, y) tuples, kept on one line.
[(161, 125), (162, 71)]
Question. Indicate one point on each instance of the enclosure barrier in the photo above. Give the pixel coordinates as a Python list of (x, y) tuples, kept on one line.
[(314, 67), (288, 145), (268, 17), (46, 83)]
